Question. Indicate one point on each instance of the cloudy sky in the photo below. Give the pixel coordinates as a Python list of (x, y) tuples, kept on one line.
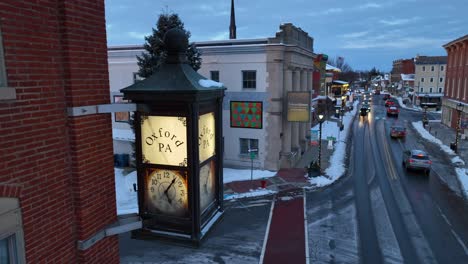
[(366, 33)]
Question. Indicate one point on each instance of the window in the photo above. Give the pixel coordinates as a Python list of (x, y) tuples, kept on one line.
[(214, 75), (249, 79), (8, 250), (441, 79), (421, 89), (246, 144), (432, 79), (432, 68), (441, 67), (11, 232), (422, 79), (5, 92), (430, 90), (440, 89), (121, 116), (423, 68)]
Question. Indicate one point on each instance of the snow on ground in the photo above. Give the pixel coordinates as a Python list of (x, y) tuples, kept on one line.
[(127, 201), (335, 171), (456, 160), (232, 175)]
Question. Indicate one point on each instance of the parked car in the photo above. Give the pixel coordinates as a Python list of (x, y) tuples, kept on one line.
[(397, 132), (390, 102), (393, 111), (417, 159)]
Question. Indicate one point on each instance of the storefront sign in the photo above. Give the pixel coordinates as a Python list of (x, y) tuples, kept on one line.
[(299, 106)]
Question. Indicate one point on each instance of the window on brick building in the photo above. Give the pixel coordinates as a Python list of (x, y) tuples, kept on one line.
[(246, 144), (422, 79), (432, 68), (432, 79), (440, 89), (5, 92), (430, 89), (214, 75), (441, 67), (441, 79), (11, 232), (249, 79), (423, 68), (421, 89)]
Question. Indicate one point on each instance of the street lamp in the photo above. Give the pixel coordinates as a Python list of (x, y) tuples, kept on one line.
[(425, 121), (459, 108), (313, 166)]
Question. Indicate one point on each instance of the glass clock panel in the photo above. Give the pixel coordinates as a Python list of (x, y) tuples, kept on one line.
[(206, 136), (207, 184), (166, 192), (164, 140)]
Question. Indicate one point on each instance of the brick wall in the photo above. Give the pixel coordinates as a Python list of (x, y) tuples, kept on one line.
[(60, 167)]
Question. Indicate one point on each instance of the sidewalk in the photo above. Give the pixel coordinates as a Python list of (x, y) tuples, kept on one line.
[(447, 135)]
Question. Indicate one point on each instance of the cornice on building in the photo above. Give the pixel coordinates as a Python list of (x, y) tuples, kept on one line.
[(453, 42)]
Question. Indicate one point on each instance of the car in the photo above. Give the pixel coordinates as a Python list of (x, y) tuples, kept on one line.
[(377, 92), (366, 106), (390, 102), (393, 111), (397, 131), (363, 111), (386, 96), (417, 160)]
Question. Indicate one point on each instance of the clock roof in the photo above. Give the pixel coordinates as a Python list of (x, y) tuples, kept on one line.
[(175, 79)]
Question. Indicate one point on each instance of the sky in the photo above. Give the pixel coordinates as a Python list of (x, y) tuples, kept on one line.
[(367, 33)]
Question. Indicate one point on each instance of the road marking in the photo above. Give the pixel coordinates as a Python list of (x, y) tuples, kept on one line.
[(306, 231), (391, 166), (460, 241), (265, 239), (443, 216)]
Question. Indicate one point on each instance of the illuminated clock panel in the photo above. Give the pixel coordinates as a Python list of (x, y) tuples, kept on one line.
[(164, 140), (206, 136)]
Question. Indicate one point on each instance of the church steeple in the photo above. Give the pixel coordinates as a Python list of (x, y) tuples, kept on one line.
[(232, 26)]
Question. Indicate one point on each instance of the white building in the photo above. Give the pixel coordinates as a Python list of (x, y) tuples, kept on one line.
[(258, 74), (429, 80)]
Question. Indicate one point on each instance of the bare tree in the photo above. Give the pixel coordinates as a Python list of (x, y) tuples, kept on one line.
[(339, 62)]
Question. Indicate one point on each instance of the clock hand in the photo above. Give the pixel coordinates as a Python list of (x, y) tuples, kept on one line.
[(167, 189)]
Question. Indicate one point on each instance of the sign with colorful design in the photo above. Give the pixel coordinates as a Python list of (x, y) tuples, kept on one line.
[(246, 114)]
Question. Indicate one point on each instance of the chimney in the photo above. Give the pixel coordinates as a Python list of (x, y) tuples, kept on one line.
[(232, 26)]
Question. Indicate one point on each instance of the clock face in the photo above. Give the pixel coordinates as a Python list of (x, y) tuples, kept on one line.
[(164, 140), (207, 185), (166, 192), (206, 136)]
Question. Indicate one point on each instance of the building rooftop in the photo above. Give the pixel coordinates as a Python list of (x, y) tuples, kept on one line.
[(430, 60), (455, 41)]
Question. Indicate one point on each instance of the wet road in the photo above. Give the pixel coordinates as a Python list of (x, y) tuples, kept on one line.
[(438, 213)]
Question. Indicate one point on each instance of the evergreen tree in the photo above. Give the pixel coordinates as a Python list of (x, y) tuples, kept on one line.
[(155, 54)]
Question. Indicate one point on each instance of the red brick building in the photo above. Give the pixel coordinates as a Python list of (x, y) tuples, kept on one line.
[(401, 66), (456, 82), (57, 190)]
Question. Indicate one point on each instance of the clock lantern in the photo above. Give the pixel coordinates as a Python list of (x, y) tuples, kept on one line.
[(178, 131)]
